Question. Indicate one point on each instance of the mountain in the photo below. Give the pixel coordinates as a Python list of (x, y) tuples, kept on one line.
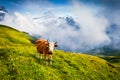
[(58, 21), (106, 50), (70, 21), (18, 60), (70, 34), (3, 12)]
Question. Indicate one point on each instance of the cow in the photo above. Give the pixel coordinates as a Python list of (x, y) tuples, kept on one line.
[(45, 48)]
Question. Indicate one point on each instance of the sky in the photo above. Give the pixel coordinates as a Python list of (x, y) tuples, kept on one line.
[(77, 25), (35, 6)]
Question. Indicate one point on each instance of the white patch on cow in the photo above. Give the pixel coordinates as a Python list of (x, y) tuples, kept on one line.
[(41, 56), (51, 46)]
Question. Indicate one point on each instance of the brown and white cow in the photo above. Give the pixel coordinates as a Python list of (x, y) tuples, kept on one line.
[(45, 48)]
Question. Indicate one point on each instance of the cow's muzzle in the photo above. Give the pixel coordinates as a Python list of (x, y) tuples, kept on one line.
[(50, 52)]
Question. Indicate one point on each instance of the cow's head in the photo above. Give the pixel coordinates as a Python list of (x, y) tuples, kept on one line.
[(52, 45)]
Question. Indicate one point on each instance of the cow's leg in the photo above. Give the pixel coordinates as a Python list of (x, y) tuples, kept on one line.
[(40, 56), (46, 59), (50, 56)]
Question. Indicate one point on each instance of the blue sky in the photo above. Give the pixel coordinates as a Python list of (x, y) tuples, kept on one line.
[(60, 2), (27, 5), (59, 6)]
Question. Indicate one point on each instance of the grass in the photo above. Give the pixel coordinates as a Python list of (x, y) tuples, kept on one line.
[(9, 36), (18, 61), (22, 63)]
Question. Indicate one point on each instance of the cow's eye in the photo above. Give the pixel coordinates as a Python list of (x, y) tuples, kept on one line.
[(55, 45)]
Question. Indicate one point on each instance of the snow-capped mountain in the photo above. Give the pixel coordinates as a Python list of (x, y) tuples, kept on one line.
[(71, 33), (70, 21), (50, 18), (3, 12), (55, 28)]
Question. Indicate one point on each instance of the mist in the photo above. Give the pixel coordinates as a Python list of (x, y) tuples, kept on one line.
[(95, 26)]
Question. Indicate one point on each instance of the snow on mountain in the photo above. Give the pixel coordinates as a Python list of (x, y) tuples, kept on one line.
[(68, 31), (65, 30), (50, 18), (3, 12)]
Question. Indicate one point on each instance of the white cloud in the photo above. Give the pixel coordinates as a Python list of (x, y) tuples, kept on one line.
[(92, 32), (93, 25), (114, 29)]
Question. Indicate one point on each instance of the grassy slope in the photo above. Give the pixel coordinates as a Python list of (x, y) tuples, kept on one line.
[(18, 60), (9, 35)]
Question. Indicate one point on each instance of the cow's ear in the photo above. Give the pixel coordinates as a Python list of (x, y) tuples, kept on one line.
[(56, 44)]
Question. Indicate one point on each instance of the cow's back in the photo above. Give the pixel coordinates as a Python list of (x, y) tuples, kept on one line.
[(40, 41), (42, 46)]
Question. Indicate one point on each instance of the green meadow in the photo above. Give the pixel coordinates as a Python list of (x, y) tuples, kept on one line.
[(19, 60)]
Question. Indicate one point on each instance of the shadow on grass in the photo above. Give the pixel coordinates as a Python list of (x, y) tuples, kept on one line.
[(4, 54), (38, 60), (112, 59)]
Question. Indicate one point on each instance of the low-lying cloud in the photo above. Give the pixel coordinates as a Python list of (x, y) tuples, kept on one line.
[(95, 28)]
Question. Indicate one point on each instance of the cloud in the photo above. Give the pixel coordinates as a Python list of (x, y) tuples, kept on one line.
[(95, 25), (18, 21), (114, 30)]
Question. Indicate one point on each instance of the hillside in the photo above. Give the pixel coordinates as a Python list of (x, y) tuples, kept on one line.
[(9, 35), (18, 61)]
